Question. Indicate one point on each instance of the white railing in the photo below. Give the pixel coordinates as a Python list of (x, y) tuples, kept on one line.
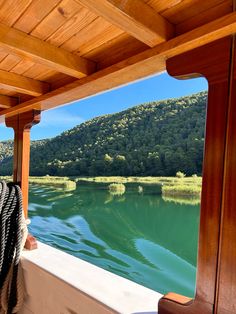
[(59, 283)]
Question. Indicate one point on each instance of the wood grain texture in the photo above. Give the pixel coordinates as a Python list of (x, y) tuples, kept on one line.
[(113, 51), (17, 83), (3, 55), (213, 62), (162, 5), (92, 36), (22, 67), (63, 12), (205, 17), (8, 102), (22, 125), (36, 71), (9, 62), (67, 22), (11, 10), (189, 8), (34, 14), (146, 63), (73, 26), (226, 283), (58, 59), (134, 17)]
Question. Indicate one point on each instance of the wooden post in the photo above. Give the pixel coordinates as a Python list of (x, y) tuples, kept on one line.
[(226, 279), (212, 61), (22, 124)]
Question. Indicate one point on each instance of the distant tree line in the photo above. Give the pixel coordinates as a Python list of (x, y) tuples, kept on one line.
[(153, 139)]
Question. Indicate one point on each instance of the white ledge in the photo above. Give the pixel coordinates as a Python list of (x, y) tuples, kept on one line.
[(118, 294)]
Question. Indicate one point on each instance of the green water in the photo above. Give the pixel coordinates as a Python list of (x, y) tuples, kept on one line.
[(136, 235)]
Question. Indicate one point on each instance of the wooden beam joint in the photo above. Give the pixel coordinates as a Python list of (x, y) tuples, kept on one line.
[(149, 62), (21, 84), (8, 102), (134, 17), (39, 51)]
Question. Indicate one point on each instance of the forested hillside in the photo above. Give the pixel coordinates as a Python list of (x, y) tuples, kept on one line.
[(156, 139), (6, 148)]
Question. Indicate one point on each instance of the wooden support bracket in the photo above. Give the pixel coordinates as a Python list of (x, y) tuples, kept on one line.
[(22, 124), (212, 61)]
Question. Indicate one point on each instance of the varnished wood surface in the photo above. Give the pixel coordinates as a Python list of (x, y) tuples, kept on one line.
[(143, 64), (7, 102), (36, 50), (20, 84), (212, 13), (21, 125), (226, 282), (44, 40), (213, 62), (135, 18)]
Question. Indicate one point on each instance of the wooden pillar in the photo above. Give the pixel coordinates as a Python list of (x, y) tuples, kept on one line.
[(212, 61), (22, 124), (226, 279)]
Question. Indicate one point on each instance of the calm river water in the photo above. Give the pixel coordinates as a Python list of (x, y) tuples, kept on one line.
[(139, 236)]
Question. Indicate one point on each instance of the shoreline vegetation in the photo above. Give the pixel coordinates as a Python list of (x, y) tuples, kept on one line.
[(116, 188), (181, 186), (173, 187), (60, 182)]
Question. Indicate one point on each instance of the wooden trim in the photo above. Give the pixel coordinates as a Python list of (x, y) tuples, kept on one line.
[(146, 63), (8, 102), (226, 281), (213, 62), (181, 299), (134, 17), (21, 84), (34, 49)]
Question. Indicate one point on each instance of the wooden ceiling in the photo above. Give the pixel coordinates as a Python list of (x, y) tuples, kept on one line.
[(57, 51)]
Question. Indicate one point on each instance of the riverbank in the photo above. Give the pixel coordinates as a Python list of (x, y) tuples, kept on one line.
[(60, 182), (170, 186), (149, 180)]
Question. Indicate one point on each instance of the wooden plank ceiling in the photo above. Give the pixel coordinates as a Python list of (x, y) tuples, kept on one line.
[(57, 51)]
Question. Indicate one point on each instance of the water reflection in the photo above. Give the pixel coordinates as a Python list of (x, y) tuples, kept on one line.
[(136, 235)]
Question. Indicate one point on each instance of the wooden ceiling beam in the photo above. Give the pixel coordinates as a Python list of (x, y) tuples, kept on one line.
[(8, 102), (146, 63), (134, 17), (21, 84), (39, 51)]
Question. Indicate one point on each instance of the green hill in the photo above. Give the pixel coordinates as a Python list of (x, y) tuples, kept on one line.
[(153, 139)]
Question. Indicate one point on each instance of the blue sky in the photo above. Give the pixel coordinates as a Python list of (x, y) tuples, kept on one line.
[(157, 87)]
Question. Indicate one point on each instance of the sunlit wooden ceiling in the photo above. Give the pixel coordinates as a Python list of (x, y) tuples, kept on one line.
[(57, 51)]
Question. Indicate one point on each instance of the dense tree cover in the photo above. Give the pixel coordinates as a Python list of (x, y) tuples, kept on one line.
[(6, 152), (156, 139)]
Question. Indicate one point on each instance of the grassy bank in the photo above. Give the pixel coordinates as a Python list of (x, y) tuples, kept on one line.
[(60, 182), (147, 180), (116, 188), (181, 189), (171, 186)]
